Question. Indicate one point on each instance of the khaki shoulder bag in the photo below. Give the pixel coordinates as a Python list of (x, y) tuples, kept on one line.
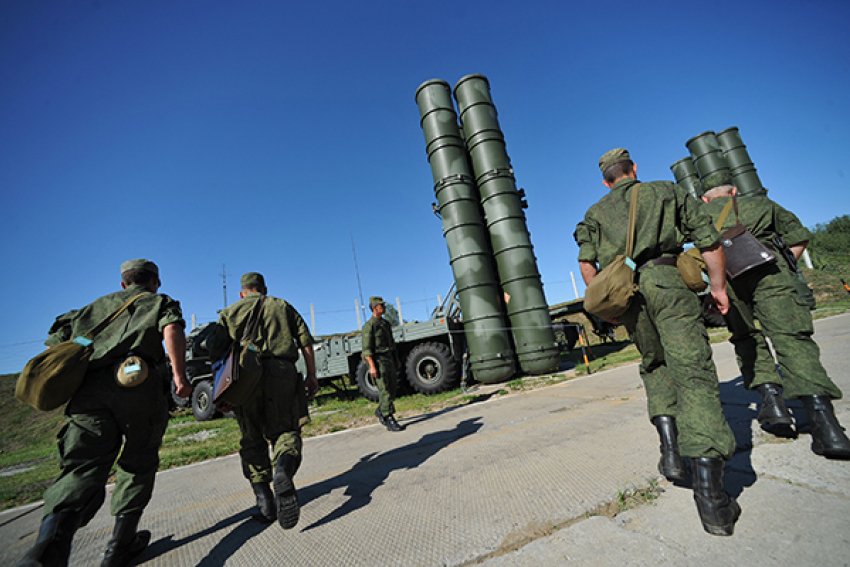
[(51, 378), (611, 290), (240, 370)]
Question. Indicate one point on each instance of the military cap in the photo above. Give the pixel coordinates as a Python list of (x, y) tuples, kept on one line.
[(376, 300), (140, 264), (716, 179), (613, 156), (253, 279)]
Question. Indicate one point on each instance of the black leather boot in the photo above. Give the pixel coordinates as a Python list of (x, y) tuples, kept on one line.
[(265, 502), (773, 410), (380, 417), (288, 508), (717, 510), (126, 542), (828, 437), (53, 546), (392, 424), (671, 465)]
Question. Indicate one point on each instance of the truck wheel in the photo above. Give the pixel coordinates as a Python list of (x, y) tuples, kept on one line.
[(203, 406), (431, 369), (365, 382)]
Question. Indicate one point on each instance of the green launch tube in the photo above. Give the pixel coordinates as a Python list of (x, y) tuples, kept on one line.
[(743, 171), (708, 160), (491, 354), (686, 175), (528, 311)]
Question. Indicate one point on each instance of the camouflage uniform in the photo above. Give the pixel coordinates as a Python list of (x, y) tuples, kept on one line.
[(769, 294), (664, 318), (272, 414), (379, 344), (101, 413)]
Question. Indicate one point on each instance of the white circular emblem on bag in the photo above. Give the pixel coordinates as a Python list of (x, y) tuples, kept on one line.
[(727, 243)]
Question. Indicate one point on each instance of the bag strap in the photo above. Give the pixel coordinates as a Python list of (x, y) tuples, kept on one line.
[(250, 328), (630, 240), (105, 323), (725, 213)]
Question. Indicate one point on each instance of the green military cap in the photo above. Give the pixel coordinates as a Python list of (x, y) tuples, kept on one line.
[(716, 179), (253, 279), (376, 300), (140, 264), (613, 156)]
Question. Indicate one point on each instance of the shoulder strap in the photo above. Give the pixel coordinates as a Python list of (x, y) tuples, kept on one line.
[(630, 241), (105, 323), (725, 213), (250, 328)]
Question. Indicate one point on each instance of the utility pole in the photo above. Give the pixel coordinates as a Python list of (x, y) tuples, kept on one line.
[(224, 283)]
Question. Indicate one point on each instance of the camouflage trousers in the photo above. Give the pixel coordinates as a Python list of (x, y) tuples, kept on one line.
[(768, 295), (101, 417), (271, 416), (386, 381), (665, 322)]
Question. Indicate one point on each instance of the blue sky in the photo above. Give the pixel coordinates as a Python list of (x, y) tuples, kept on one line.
[(267, 136)]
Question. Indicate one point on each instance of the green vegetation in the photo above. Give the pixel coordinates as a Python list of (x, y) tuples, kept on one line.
[(829, 247)]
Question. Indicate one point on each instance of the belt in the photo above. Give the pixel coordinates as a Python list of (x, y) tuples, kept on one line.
[(660, 261)]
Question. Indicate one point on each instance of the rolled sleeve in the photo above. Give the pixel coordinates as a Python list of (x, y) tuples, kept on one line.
[(586, 236)]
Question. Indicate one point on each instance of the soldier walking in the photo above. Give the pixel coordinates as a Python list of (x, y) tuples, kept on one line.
[(767, 294), (664, 321), (272, 414), (113, 414), (379, 352)]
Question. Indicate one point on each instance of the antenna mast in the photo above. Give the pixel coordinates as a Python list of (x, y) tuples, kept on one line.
[(224, 283), (357, 272)]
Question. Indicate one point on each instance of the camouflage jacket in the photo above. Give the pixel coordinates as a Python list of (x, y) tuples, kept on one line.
[(138, 329), (666, 218), (280, 331), (763, 217), (378, 338)]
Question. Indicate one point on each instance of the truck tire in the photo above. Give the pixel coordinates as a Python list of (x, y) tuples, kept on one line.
[(203, 407), (365, 382), (431, 369)]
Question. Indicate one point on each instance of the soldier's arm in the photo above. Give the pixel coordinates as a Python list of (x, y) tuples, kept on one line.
[(311, 382), (715, 264), (588, 271), (175, 345)]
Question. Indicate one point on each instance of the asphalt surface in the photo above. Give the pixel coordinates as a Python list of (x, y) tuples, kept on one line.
[(507, 481)]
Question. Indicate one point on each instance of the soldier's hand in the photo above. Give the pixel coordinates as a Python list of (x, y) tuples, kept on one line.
[(720, 301), (183, 387), (312, 385)]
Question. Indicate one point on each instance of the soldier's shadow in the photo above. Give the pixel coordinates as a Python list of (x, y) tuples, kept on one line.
[(223, 549), (741, 407), (373, 469)]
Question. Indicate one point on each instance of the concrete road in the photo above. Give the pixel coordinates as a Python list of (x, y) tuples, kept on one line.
[(491, 483)]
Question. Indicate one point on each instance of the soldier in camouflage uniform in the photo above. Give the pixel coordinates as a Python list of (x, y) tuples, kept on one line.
[(380, 354), (272, 413), (664, 321), (768, 294), (103, 415)]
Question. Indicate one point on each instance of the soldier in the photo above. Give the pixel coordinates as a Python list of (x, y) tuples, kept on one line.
[(272, 412), (768, 294), (664, 321), (380, 354), (105, 413)]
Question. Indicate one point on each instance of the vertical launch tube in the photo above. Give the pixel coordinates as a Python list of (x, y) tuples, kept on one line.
[(744, 173), (686, 176), (491, 355), (537, 349), (708, 158)]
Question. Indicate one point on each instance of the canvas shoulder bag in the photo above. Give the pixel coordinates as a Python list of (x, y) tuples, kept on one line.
[(51, 378), (240, 370), (743, 250), (611, 290)]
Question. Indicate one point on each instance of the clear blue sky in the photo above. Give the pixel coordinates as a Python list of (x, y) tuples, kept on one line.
[(264, 136)]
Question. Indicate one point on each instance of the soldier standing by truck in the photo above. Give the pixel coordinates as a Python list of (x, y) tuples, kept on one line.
[(768, 294), (273, 411), (380, 354)]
